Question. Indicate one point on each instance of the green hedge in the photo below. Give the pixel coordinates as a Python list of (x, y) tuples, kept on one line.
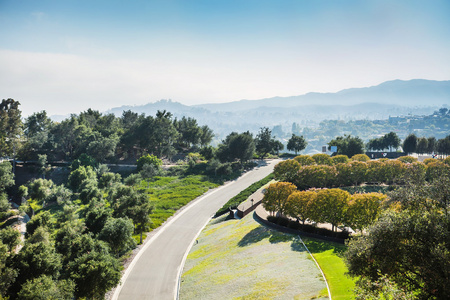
[(242, 196)]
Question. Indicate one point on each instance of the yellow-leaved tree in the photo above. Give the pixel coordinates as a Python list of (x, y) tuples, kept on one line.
[(276, 195)]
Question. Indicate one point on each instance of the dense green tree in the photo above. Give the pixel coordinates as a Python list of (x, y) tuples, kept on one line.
[(410, 144), (189, 131), (40, 189), (443, 145), (422, 145), (103, 148), (264, 142), (206, 136), (8, 273), (148, 160), (10, 237), (347, 145), (296, 143), (236, 146), (45, 288), (432, 144), (41, 219), (79, 175), (118, 234), (96, 215), (6, 176), (94, 273), (34, 260), (410, 248), (127, 202), (10, 126)]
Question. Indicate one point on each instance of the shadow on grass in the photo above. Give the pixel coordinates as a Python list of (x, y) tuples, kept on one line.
[(260, 233), (318, 246)]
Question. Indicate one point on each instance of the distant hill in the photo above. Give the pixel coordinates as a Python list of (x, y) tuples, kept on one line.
[(416, 92), (391, 98)]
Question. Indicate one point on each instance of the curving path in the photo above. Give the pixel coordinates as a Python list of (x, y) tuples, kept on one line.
[(154, 272)]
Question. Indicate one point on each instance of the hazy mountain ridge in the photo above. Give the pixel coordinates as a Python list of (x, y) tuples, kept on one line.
[(391, 98), (416, 92)]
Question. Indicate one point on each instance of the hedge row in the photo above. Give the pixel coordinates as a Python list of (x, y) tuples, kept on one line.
[(242, 196)]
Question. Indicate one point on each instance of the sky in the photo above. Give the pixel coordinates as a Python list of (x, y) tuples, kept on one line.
[(65, 56)]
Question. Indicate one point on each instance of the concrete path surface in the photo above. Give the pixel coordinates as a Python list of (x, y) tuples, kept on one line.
[(154, 272)]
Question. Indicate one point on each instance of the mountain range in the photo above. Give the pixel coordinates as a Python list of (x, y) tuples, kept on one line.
[(390, 98)]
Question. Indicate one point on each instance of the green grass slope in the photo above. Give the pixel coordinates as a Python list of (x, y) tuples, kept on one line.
[(240, 259)]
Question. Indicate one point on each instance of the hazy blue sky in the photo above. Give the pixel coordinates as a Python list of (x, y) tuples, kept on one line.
[(66, 56)]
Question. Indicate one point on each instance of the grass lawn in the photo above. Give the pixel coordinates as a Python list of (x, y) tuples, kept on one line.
[(168, 194), (241, 259), (328, 256)]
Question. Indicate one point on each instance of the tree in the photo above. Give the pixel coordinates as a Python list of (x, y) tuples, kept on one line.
[(10, 126), (206, 135), (236, 146), (410, 248), (391, 140), (6, 176), (118, 234), (103, 148), (410, 143), (264, 142), (299, 204), (443, 145), (432, 143), (286, 170), (94, 273), (296, 143), (96, 215), (330, 206), (276, 195), (128, 202), (148, 160), (364, 209), (34, 260), (189, 131), (10, 237), (347, 145), (79, 175), (44, 288), (40, 189), (8, 273), (422, 145)]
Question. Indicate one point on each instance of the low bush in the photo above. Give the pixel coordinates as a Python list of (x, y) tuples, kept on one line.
[(242, 196)]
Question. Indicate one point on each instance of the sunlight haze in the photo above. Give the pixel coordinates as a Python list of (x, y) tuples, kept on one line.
[(68, 56)]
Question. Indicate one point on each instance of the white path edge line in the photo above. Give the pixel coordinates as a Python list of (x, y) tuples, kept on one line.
[(323, 275), (149, 242), (181, 267)]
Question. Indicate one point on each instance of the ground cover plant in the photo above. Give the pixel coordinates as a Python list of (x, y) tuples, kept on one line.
[(168, 194), (241, 259), (234, 202)]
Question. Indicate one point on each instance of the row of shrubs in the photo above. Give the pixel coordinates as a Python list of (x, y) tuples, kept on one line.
[(234, 202), (355, 172)]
